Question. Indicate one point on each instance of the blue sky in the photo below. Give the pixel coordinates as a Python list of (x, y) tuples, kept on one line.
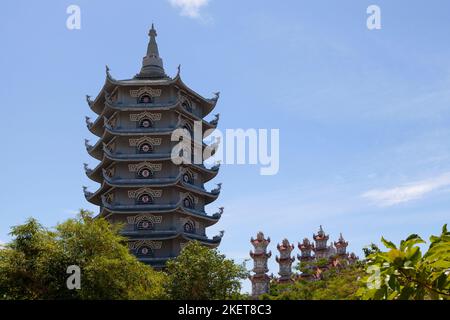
[(363, 115)]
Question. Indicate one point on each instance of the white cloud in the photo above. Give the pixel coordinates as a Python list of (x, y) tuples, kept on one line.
[(71, 212), (189, 8), (407, 192)]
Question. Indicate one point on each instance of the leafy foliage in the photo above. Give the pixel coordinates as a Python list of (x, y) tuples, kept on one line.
[(200, 273), (370, 249), (336, 284), (34, 264), (404, 273)]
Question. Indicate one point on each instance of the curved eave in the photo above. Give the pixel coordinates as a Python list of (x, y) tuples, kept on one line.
[(96, 173), (110, 83), (140, 82), (208, 104), (214, 242), (95, 198), (108, 210), (137, 156), (146, 131), (146, 157), (159, 82), (168, 182), (98, 104), (97, 176), (136, 132), (141, 131), (134, 107), (141, 106), (98, 126), (97, 150), (209, 174), (193, 117)]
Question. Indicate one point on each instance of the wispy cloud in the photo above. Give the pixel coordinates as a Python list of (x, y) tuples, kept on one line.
[(71, 212), (189, 8), (407, 192)]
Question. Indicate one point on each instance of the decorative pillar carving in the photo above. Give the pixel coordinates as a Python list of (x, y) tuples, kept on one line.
[(285, 261), (341, 246), (321, 249), (260, 280), (305, 258)]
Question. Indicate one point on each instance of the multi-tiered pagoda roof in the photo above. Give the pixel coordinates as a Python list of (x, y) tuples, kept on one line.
[(161, 204)]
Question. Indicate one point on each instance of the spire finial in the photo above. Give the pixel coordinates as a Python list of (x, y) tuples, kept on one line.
[(152, 48), (152, 64), (152, 32)]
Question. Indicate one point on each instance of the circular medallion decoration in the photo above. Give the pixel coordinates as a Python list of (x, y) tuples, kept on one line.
[(145, 99), (188, 227), (188, 203), (145, 251), (145, 199), (145, 173), (187, 178), (145, 148), (145, 225), (145, 123)]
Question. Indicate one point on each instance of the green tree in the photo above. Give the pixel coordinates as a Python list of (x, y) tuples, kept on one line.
[(34, 264), (370, 249), (200, 273), (404, 273), (335, 284), (29, 263)]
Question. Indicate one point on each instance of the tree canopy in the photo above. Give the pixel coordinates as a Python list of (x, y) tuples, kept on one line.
[(202, 273), (34, 265), (334, 284), (403, 272)]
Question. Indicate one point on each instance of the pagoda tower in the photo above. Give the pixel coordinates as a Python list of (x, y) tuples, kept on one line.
[(161, 204), (305, 257), (260, 280), (341, 246), (321, 250), (285, 261), (305, 248)]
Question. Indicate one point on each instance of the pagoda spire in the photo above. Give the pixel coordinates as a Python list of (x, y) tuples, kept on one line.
[(260, 280), (152, 48), (341, 246), (285, 261), (152, 64)]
